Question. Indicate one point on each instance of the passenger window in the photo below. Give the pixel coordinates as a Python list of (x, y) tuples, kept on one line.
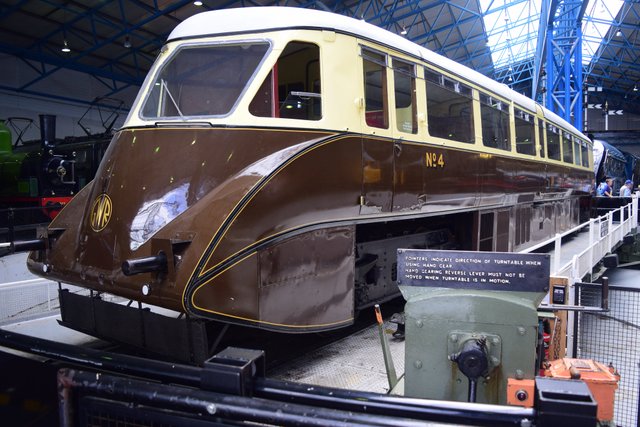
[(576, 151), (567, 148), (404, 79), (553, 142), (525, 133), (495, 122), (292, 88), (584, 148), (541, 136), (375, 89), (449, 108)]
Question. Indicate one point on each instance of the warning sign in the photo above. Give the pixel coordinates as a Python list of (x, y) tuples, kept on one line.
[(473, 270)]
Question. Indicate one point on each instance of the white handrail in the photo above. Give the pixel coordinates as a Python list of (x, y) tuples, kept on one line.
[(604, 235)]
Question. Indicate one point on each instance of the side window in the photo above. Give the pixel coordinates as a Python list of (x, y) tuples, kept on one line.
[(449, 108), (584, 148), (553, 142), (495, 122), (375, 89), (404, 80), (576, 151), (567, 147), (292, 88), (525, 133), (541, 136)]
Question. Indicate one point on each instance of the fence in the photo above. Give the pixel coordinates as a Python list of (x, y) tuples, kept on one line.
[(613, 337)]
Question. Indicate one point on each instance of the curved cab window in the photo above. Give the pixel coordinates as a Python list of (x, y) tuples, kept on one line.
[(449, 108), (203, 80), (525, 133), (495, 123), (292, 88)]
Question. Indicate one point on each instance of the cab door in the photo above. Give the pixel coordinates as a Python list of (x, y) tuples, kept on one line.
[(377, 142), (410, 180)]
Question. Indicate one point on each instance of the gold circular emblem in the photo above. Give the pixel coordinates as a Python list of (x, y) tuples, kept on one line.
[(101, 212)]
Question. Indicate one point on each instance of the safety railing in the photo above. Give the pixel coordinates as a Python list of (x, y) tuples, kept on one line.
[(605, 235)]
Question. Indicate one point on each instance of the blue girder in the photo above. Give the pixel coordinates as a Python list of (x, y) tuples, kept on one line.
[(564, 62)]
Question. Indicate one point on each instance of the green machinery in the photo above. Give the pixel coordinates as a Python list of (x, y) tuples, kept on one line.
[(471, 322)]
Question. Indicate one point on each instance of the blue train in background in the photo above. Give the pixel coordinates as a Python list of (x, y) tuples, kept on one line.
[(611, 162)]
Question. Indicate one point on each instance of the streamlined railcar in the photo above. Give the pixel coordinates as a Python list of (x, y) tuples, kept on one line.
[(276, 158)]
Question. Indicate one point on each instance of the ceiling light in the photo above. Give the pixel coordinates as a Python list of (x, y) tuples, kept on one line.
[(618, 33), (404, 31), (127, 42), (197, 3), (65, 47), (635, 88)]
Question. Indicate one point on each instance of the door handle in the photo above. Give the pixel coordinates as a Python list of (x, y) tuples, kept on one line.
[(397, 149)]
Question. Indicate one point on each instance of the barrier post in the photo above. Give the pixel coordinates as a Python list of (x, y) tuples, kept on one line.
[(592, 229), (556, 253), (634, 208), (609, 231)]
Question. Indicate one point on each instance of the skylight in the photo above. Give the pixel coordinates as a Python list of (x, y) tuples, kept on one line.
[(512, 29), (598, 17)]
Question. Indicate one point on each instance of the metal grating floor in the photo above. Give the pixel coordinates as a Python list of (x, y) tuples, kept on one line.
[(355, 362)]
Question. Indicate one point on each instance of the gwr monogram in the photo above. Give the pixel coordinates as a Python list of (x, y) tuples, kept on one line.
[(101, 212)]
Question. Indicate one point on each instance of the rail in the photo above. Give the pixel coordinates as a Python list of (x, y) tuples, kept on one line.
[(231, 388), (605, 235)]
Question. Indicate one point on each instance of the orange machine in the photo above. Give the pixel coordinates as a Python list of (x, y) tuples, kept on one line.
[(601, 381)]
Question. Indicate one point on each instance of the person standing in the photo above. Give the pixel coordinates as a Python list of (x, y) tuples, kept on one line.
[(604, 189), (625, 190)]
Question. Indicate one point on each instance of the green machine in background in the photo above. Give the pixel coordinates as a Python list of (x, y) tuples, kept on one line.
[(471, 321)]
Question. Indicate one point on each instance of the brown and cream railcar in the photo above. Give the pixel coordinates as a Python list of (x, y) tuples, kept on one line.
[(276, 158)]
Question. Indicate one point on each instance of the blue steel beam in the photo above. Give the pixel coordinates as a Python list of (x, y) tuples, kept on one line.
[(543, 26), (57, 63), (608, 40), (64, 98), (86, 52), (564, 62)]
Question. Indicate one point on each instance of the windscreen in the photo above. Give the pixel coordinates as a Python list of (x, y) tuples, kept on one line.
[(203, 80)]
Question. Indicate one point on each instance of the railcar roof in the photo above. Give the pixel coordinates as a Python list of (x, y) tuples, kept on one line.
[(257, 19)]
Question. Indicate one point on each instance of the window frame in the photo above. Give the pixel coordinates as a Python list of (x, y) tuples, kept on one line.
[(454, 85), (503, 107), (384, 83), (531, 119), (159, 66), (412, 74)]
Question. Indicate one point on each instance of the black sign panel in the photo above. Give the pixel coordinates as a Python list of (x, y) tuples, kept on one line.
[(494, 271)]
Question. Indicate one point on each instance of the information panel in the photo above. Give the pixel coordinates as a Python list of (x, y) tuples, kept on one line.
[(495, 271)]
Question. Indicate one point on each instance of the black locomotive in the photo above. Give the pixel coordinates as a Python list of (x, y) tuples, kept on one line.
[(39, 177)]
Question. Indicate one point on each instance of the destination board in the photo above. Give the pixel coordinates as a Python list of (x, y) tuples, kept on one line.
[(495, 271)]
